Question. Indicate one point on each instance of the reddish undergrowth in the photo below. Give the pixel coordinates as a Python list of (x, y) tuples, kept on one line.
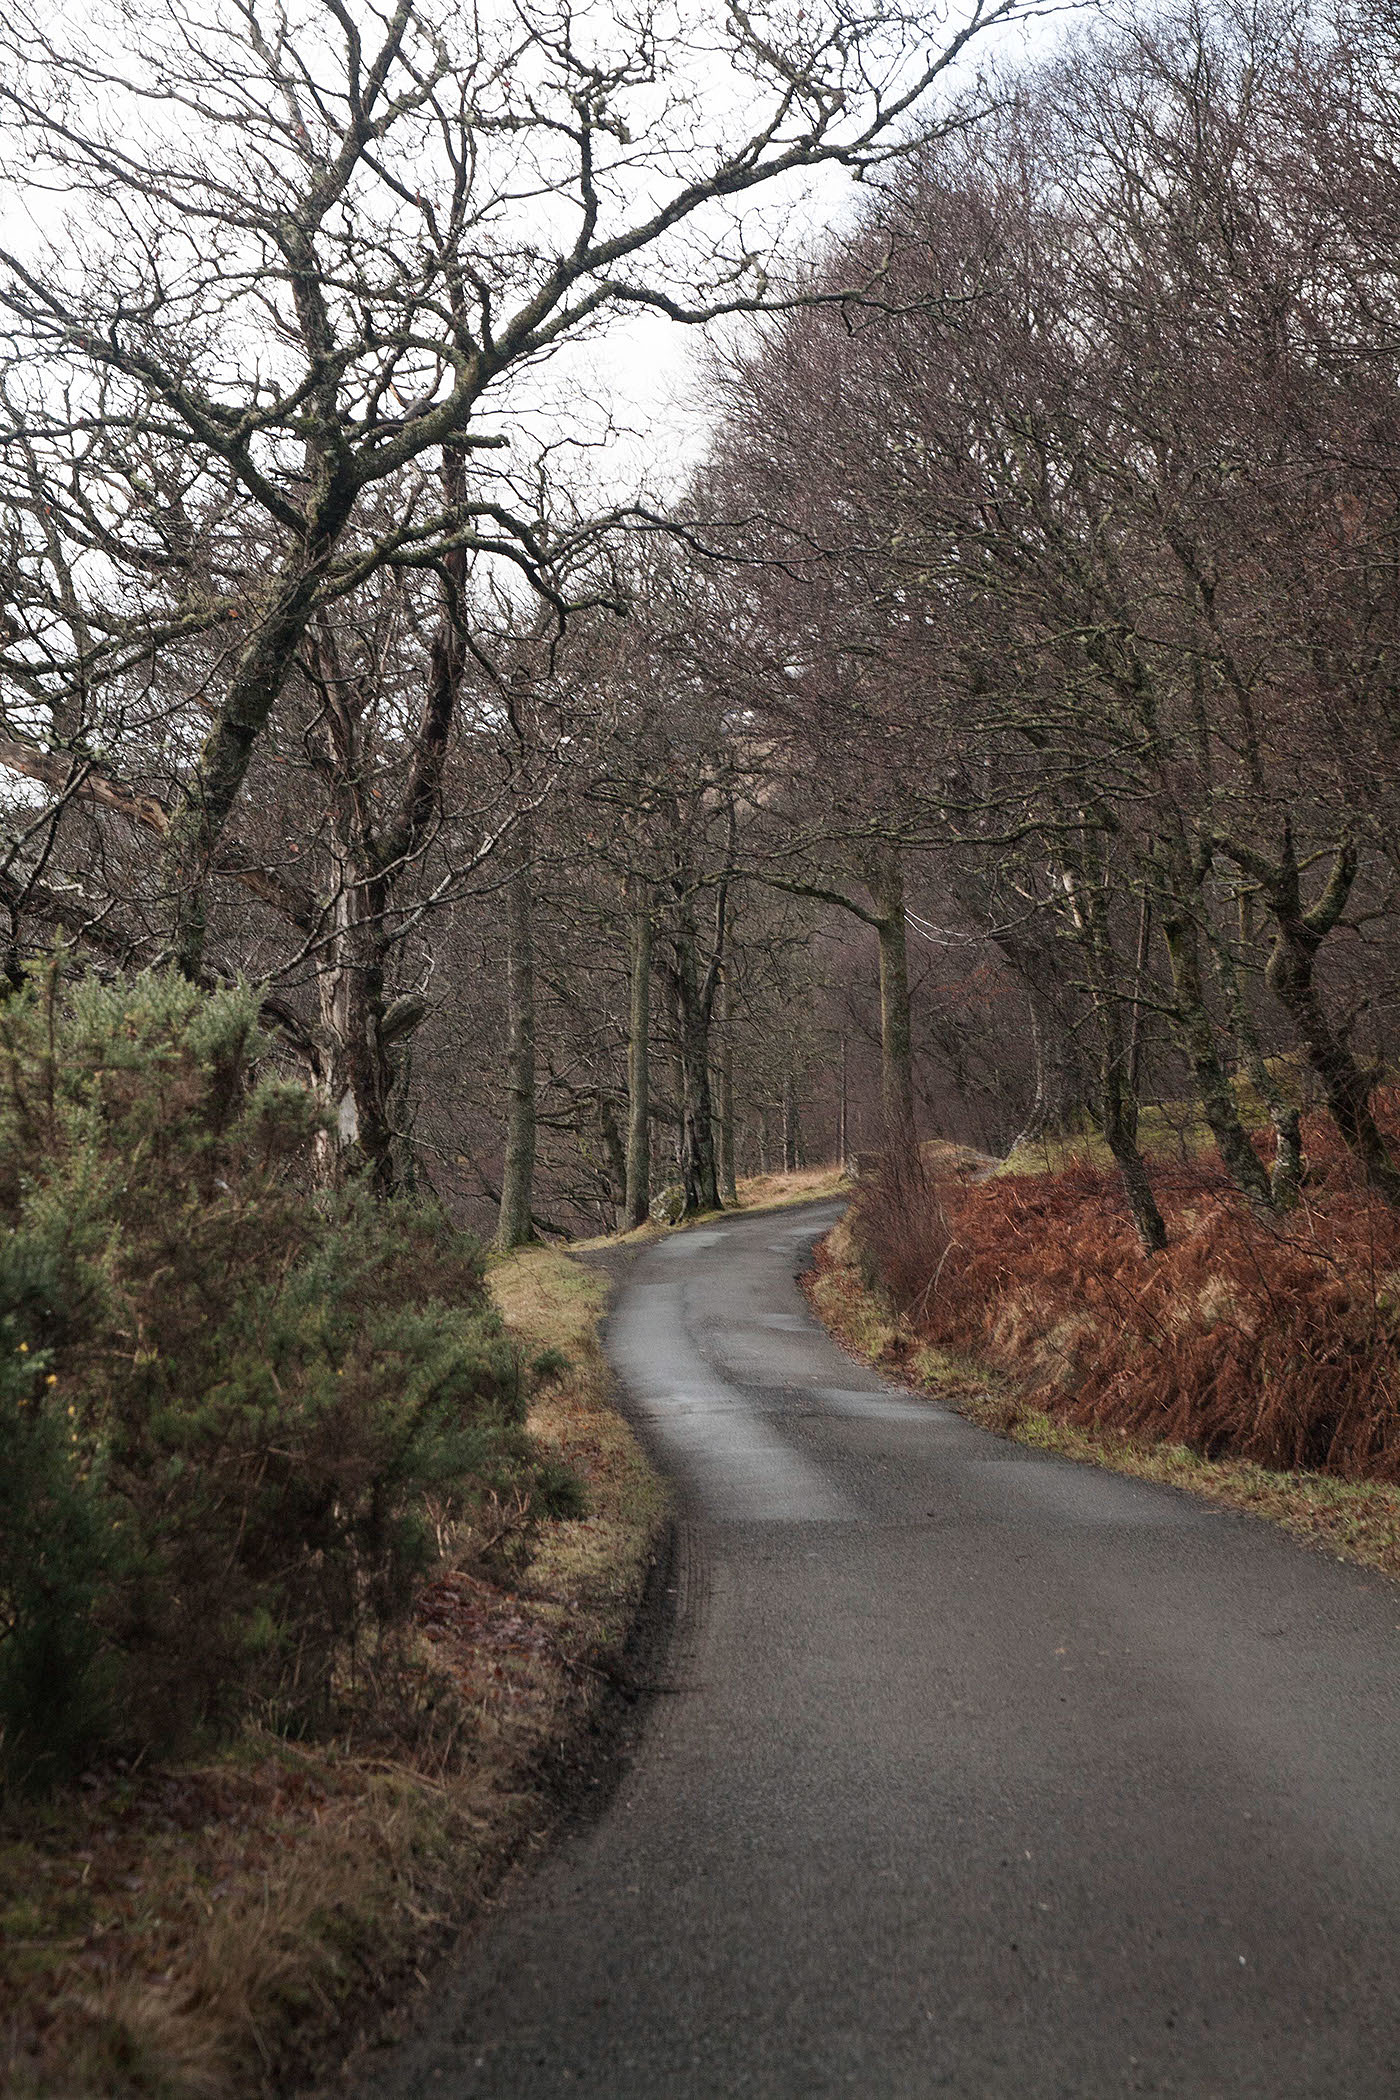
[(1275, 1342)]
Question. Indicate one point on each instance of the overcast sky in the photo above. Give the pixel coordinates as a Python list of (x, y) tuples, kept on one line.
[(647, 370)]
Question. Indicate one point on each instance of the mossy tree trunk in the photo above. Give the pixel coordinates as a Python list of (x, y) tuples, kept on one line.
[(886, 883), (638, 1191), (694, 994), (215, 781), (1183, 880), (1286, 1174), (515, 1225), (793, 1155), (1085, 889), (1291, 974), (728, 1167), (374, 849)]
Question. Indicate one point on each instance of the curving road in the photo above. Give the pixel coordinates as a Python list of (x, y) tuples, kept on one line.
[(982, 1773)]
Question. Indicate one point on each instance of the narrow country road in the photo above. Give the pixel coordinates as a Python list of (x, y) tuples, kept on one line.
[(980, 1773)]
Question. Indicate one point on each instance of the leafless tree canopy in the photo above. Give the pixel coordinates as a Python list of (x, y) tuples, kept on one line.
[(1002, 735)]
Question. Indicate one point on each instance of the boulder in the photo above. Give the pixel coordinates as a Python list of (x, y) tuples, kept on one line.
[(668, 1204)]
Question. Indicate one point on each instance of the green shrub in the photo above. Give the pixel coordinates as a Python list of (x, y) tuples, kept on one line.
[(224, 1393)]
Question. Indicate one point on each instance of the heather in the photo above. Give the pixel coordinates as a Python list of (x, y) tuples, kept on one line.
[(1274, 1339)]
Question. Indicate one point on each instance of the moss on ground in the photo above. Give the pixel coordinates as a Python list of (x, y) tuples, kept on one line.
[(1167, 1130)]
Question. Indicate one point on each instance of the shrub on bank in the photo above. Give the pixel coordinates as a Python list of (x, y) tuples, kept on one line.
[(225, 1393), (1275, 1341), (899, 1221)]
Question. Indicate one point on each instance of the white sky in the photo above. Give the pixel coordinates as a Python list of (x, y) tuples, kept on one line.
[(648, 428), (647, 369)]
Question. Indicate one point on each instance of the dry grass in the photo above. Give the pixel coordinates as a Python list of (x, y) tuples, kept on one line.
[(213, 1928), (1355, 1520), (777, 1191), (755, 1192), (1169, 1131), (1173, 1132), (596, 1564)]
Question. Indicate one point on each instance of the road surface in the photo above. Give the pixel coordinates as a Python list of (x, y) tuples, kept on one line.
[(981, 1773)]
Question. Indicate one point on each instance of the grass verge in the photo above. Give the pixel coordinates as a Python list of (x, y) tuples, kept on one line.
[(781, 1191), (755, 1191), (224, 1926), (1354, 1520)]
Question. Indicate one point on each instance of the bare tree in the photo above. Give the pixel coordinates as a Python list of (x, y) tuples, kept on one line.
[(310, 257)]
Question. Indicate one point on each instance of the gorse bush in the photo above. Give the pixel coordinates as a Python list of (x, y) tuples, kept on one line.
[(225, 1394)]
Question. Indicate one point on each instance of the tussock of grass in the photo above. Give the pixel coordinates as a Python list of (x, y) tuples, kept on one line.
[(597, 1562), (204, 1930), (1167, 1132), (1357, 1520)]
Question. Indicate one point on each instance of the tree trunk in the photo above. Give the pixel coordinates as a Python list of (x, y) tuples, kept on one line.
[(1196, 1034), (357, 1074), (699, 1173), (1144, 941), (614, 1151), (1286, 1174), (1058, 1108), (515, 1227), (358, 1027), (1119, 1111), (896, 1036), (792, 1126), (1118, 1101), (638, 1196), (728, 1172), (1060, 1104), (215, 780), (401, 1115), (694, 1009), (1291, 976)]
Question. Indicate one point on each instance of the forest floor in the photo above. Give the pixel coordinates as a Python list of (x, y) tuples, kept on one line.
[(229, 1925), (1355, 1520)]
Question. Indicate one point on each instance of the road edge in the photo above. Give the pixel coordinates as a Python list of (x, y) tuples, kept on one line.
[(1353, 1521)]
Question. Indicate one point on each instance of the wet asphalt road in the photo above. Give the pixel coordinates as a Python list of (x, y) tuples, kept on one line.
[(982, 1774)]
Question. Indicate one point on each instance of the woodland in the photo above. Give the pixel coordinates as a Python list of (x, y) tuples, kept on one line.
[(386, 814), (991, 736), (423, 842), (995, 735)]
